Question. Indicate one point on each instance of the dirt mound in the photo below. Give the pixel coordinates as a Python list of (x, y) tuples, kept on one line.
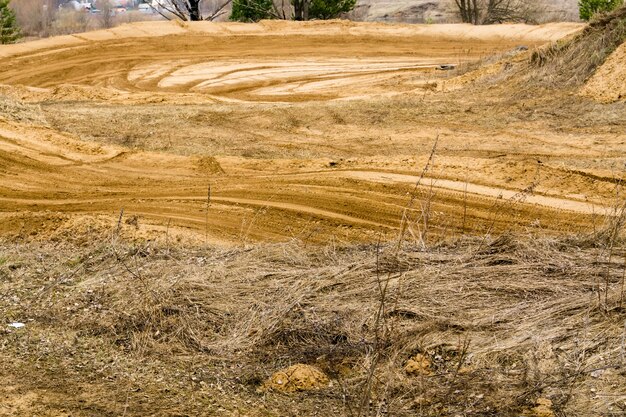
[(297, 378), (608, 84), (572, 61), (62, 92), (70, 92), (594, 56), (209, 165)]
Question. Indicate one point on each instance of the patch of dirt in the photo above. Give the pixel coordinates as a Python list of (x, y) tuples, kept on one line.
[(608, 84), (313, 68)]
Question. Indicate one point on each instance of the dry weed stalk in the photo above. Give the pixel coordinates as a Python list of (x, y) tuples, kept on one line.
[(517, 198), (206, 216), (406, 220), (382, 329)]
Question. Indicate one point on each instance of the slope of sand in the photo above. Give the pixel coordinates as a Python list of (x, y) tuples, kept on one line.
[(318, 129), (608, 84)]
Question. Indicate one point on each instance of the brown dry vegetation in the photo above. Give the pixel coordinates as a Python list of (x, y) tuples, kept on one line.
[(437, 246), (141, 328)]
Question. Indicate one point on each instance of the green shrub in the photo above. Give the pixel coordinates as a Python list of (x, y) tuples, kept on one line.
[(590, 7), (9, 31), (251, 10), (330, 9)]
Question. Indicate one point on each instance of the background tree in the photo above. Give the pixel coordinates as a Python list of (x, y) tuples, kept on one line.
[(469, 10), (321, 9), (189, 9), (487, 12), (252, 10), (107, 13), (30, 16), (588, 8), (330, 9), (500, 11), (9, 31), (301, 9)]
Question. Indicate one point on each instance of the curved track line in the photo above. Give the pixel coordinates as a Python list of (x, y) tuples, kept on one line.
[(459, 186)]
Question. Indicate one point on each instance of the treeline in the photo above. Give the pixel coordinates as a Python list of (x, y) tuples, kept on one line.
[(254, 10), (487, 12), (41, 18)]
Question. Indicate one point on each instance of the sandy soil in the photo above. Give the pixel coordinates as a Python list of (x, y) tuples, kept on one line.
[(318, 130), (608, 84)]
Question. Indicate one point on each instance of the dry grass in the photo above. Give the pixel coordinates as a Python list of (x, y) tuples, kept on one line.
[(15, 111), (503, 323)]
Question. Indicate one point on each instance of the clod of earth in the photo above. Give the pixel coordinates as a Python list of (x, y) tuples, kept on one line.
[(543, 408), (463, 370), (418, 365), (422, 402), (297, 378)]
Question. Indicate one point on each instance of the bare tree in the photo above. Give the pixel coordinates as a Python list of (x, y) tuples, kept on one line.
[(107, 13), (487, 12), (500, 11), (469, 10), (283, 9), (35, 17), (301, 9), (189, 9)]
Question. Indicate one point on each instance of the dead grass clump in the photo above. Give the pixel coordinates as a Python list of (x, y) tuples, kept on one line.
[(489, 62), (66, 22), (15, 111)]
